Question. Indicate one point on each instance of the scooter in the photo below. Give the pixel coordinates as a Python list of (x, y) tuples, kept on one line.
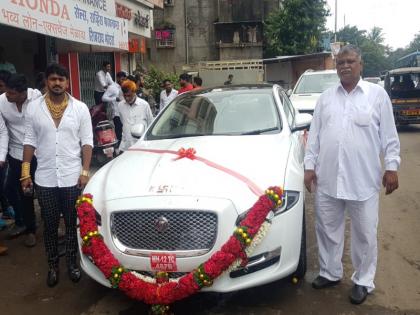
[(105, 140)]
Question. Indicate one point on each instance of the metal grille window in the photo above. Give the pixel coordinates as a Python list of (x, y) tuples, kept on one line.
[(89, 65), (183, 231), (165, 38)]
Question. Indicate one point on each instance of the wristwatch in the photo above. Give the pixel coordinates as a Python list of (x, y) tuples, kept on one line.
[(85, 173)]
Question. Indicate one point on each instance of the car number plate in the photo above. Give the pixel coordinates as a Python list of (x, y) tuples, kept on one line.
[(163, 262), (411, 112)]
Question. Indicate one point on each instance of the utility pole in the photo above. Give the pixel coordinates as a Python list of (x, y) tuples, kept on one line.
[(335, 26)]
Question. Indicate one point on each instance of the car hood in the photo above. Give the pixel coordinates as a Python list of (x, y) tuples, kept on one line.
[(261, 159), (305, 101)]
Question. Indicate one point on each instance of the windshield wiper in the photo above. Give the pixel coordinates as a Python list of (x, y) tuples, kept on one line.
[(259, 131)]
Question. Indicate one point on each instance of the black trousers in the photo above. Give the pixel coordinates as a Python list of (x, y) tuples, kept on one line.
[(55, 201), (98, 97), (118, 127), (21, 203)]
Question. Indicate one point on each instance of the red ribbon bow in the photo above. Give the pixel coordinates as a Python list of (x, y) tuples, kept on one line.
[(186, 153)]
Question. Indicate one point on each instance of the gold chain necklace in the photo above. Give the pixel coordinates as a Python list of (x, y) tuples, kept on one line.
[(56, 110)]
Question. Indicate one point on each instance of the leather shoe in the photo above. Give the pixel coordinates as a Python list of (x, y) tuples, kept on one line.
[(358, 294), (52, 278), (74, 273), (320, 283)]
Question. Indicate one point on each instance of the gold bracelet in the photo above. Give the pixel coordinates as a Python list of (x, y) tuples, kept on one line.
[(24, 177), (26, 169), (85, 173)]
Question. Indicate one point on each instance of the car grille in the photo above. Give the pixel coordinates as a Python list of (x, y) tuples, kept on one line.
[(186, 230)]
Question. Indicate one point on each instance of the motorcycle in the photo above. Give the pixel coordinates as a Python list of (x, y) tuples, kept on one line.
[(104, 138)]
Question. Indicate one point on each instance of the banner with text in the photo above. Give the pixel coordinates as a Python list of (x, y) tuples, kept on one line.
[(66, 19)]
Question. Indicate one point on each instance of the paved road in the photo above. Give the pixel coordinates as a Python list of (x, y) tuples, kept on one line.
[(23, 271)]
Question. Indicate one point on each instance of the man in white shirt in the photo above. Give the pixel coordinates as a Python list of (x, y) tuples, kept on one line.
[(112, 96), (59, 128), (4, 140), (103, 79), (13, 107), (167, 95), (133, 111), (353, 125)]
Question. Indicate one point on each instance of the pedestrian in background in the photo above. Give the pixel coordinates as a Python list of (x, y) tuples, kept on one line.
[(103, 79), (167, 95), (4, 64), (184, 83), (133, 111), (4, 140), (13, 107), (113, 95), (59, 128), (352, 126), (229, 80), (197, 83)]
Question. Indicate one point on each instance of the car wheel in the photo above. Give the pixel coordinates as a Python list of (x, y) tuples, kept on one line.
[(301, 267)]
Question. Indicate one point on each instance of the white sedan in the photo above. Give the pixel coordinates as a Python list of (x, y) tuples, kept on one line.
[(157, 208)]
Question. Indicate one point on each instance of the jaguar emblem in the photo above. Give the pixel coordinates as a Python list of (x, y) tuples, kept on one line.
[(161, 224)]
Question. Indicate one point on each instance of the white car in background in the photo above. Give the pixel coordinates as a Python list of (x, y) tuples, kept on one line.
[(149, 203), (309, 88)]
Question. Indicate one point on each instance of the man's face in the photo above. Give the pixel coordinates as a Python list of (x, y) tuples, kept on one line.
[(168, 86), (182, 82), (57, 84), (108, 68), (120, 80), (2, 87), (349, 66), (14, 96), (129, 96)]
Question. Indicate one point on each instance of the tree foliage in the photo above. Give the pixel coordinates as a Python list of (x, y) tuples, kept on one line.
[(296, 27)]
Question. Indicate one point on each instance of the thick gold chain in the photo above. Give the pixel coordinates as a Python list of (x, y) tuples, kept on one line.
[(56, 110)]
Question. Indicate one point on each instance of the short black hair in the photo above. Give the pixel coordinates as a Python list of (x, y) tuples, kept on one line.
[(4, 75), (121, 74), (55, 68), (131, 78), (105, 63), (166, 80), (17, 82), (184, 77), (198, 81)]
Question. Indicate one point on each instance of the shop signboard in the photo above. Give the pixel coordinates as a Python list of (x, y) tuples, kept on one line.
[(139, 17), (66, 19)]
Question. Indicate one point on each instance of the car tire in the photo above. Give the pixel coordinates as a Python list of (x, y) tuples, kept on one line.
[(302, 264)]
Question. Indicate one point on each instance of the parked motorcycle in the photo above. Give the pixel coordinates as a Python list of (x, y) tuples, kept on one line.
[(104, 138)]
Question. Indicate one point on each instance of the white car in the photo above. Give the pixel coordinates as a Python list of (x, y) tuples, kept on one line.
[(309, 88), (151, 203)]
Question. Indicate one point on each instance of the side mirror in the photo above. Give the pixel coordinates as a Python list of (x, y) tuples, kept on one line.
[(302, 121), (289, 92), (137, 130)]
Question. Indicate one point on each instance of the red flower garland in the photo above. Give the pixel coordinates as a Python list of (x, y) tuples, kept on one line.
[(169, 292)]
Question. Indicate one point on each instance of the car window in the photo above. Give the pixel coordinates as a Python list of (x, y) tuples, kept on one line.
[(316, 83), (229, 112), (289, 110)]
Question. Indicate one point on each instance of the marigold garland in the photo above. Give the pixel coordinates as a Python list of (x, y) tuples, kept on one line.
[(162, 291)]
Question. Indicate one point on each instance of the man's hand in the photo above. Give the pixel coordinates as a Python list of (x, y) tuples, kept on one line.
[(83, 180), (26, 184), (390, 181), (310, 179)]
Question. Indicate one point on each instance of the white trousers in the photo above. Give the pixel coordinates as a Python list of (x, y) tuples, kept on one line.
[(330, 226)]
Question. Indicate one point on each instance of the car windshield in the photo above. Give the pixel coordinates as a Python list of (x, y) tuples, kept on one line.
[(316, 83), (218, 112)]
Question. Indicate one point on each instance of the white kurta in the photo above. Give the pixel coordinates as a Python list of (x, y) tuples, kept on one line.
[(165, 99), (59, 150), (348, 135), (131, 115)]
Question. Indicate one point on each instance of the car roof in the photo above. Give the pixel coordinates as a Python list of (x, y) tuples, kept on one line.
[(405, 70), (233, 87), (315, 72)]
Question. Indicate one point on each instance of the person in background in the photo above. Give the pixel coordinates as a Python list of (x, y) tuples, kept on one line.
[(133, 111), (59, 128), (197, 83), (167, 95), (5, 65), (352, 127), (113, 95), (4, 76), (184, 83), (229, 80), (102, 80), (13, 107), (4, 140)]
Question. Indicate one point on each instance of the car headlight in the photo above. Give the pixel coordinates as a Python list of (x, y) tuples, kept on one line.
[(289, 200)]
